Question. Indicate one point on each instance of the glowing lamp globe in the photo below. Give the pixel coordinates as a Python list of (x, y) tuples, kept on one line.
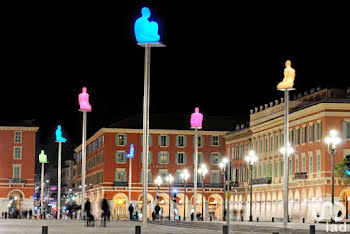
[(59, 137), (131, 152), (146, 31), (196, 119)]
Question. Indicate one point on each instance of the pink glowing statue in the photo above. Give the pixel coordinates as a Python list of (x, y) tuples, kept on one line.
[(84, 100), (196, 119)]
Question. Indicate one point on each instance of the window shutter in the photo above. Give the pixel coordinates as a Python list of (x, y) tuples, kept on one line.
[(185, 158), (202, 141), (167, 158), (116, 176), (219, 140), (185, 141), (211, 178), (211, 140), (345, 129), (167, 140), (159, 140), (158, 157), (177, 141), (176, 158), (320, 131), (150, 157), (211, 158), (126, 139)]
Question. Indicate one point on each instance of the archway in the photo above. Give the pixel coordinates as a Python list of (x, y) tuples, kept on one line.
[(280, 204), (149, 205), (268, 206), (303, 204), (311, 204), (120, 206), (263, 206), (290, 203), (345, 200), (199, 204), (181, 206), (15, 203), (164, 205), (215, 206), (296, 205), (274, 203)]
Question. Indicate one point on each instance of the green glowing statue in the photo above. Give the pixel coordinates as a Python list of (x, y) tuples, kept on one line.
[(42, 157)]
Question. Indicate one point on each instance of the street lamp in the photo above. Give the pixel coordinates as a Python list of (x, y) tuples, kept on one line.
[(202, 171), (251, 158), (222, 166), (185, 175), (158, 181), (42, 160), (170, 180), (332, 140)]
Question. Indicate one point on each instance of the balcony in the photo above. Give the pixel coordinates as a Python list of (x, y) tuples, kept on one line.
[(199, 185), (120, 184), (300, 175), (17, 181), (266, 180)]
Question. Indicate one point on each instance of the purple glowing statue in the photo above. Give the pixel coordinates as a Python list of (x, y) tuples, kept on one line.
[(84, 100), (196, 119)]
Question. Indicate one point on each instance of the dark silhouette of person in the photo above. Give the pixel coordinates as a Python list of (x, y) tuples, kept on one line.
[(88, 210), (131, 210), (157, 209), (105, 211), (30, 213), (192, 216)]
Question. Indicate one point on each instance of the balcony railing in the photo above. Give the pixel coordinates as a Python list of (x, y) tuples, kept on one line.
[(199, 185), (16, 181), (300, 176), (120, 184), (266, 180)]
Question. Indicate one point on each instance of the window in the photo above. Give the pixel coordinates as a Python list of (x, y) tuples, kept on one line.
[(16, 171), (290, 167), (276, 170), (296, 164), (281, 168), (296, 136), (17, 152), (303, 135), (215, 158), (237, 151), (120, 175), (318, 131), (121, 139), (303, 164), (200, 158), (271, 143), (163, 140), (277, 143), (346, 129), (215, 177), (180, 141), (268, 170), (150, 157), (256, 146), (18, 137), (180, 158), (318, 162), (120, 157), (261, 146), (163, 157), (149, 176), (163, 173), (310, 133), (215, 140), (200, 141), (241, 151), (266, 144), (311, 164), (150, 140)]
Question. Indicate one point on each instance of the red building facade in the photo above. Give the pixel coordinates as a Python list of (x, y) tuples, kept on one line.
[(17, 165), (171, 151)]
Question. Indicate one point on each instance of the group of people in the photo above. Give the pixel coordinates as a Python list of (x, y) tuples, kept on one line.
[(105, 216), (16, 214), (133, 213)]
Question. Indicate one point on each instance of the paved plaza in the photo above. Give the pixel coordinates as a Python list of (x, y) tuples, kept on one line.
[(11, 226)]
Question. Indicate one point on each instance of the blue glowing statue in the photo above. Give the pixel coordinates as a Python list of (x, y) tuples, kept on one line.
[(146, 31), (59, 137), (131, 153)]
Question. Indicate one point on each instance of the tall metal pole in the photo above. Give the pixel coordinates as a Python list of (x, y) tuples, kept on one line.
[(130, 168), (227, 191), (251, 194), (195, 177), (225, 194), (169, 198), (333, 156), (185, 202), (42, 190), (59, 181), (286, 157), (83, 164), (202, 197), (145, 133)]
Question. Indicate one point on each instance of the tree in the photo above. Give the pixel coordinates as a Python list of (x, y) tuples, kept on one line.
[(340, 169)]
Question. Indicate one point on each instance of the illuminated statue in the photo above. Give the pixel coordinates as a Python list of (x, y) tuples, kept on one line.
[(289, 75), (42, 157), (84, 100), (146, 31), (59, 137), (131, 153), (196, 119)]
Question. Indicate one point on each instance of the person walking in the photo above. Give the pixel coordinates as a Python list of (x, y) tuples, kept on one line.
[(131, 211), (157, 209), (105, 211), (88, 211), (30, 213)]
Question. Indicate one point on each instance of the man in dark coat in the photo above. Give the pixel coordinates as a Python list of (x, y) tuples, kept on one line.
[(131, 211), (105, 210), (88, 210), (157, 209)]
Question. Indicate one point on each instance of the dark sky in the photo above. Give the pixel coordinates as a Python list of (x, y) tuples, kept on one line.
[(222, 56)]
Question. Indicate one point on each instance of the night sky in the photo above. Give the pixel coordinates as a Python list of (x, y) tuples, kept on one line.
[(224, 58)]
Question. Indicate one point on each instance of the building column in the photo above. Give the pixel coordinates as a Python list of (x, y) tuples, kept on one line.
[(206, 211), (189, 210)]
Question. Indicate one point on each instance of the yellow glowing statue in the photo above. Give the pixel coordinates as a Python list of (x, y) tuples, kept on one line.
[(289, 75)]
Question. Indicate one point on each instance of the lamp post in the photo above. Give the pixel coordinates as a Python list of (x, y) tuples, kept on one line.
[(170, 180), (158, 181), (84, 106), (251, 158), (146, 37), (202, 171), (332, 140), (196, 123), (222, 166), (59, 140), (185, 175), (42, 160)]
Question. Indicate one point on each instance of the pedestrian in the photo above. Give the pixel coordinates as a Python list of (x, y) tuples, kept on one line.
[(30, 213), (153, 215), (88, 211), (131, 211), (2, 214), (105, 211), (5, 214), (157, 209), (192, 216)]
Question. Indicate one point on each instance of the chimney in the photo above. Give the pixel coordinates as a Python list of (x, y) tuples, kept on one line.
[(261, 108), (276, 102), (318, 88), (300, 95), (256, 109), (266, 105), (282, 99), (251, 111), (242, 126), (312, 90), (237, 127), (305, 93), (271, 104)]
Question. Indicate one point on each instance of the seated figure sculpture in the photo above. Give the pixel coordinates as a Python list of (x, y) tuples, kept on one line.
[(84, 100), (131, 153), (146, 31), (42, 157), (196, 119), (289, 76), (59, 137)]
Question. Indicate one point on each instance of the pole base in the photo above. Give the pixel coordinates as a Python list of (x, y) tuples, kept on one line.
[(250, 218)]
